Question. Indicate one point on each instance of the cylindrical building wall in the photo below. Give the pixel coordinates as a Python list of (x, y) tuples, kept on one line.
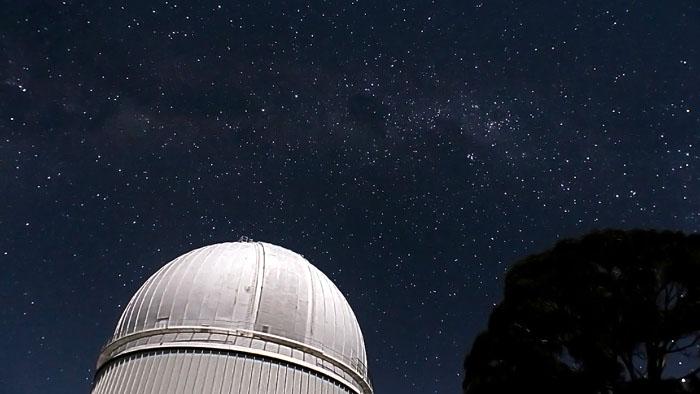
[(180, 371)]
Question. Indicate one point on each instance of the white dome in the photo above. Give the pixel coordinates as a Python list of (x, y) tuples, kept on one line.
[(215, 295)]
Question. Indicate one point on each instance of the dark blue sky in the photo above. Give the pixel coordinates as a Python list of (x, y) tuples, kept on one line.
[(411, 151)]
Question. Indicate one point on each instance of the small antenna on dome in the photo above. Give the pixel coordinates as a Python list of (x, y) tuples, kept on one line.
[(243, 238)]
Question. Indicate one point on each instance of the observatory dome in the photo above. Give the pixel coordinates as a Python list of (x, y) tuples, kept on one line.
[(255, 299)]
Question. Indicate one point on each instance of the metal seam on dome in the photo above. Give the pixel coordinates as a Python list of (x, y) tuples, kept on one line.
[(359, 345), (235, 301), (211, 265), (139, 296), (172, 270), (323, 301), (216, 269), (159, 274), (129, 308), (326, 299), (188, 298), (142, 296), (310, 301), (260, 259), (339, 315), (168, 273), (221, 310), (352, 329), (254, 288), (206, 295), (182, 275), (238, 306), (158, 297), (344, 325), (361, 351), (330, 298)]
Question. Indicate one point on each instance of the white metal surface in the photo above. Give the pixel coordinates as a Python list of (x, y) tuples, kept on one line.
[(190, 371), (235, 296)]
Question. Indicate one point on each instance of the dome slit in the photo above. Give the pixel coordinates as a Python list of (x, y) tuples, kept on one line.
[(260, 265)]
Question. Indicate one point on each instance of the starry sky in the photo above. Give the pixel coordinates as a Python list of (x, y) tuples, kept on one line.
[(412, 151)]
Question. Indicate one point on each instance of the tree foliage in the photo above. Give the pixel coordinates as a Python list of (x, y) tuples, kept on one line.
[(612, 312)]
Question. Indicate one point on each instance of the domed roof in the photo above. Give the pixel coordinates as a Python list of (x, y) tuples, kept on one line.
[(250, 286)]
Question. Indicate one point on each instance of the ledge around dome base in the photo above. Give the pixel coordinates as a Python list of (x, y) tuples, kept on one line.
[(351, 373)]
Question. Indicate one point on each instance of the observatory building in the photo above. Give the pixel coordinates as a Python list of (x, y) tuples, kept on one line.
[(239, 317)]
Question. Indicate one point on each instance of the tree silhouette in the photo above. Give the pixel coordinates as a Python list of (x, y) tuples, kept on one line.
[(612, 312)]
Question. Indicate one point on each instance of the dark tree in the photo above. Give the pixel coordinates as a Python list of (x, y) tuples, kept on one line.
[(612, 312)]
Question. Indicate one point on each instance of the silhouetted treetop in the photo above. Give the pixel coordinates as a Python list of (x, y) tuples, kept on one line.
[(612, 312)]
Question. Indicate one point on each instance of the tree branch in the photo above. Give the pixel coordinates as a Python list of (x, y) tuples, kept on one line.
[(626, 360), (688, 346), (691, 373)]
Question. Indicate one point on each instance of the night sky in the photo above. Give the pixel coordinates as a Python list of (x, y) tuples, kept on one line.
[(411, 151)]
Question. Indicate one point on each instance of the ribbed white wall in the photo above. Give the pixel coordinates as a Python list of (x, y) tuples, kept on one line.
[(174, 371)]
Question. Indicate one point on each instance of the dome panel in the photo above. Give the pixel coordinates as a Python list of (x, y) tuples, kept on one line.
[(284, 311), (245, 294)]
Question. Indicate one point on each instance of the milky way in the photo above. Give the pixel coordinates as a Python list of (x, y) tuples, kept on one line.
[(412, 152)]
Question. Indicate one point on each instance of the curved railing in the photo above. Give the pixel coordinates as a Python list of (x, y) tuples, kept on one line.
[(352, 365)]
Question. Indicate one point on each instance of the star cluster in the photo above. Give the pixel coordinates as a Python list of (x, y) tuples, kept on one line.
[(411, 151)]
